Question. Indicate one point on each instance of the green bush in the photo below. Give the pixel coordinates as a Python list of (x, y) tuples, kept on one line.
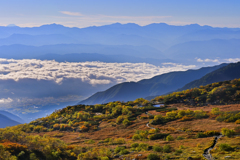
[(136, 137), (225, 147), (178, 151), (169, 138), (167, 148), (104, 158), (134, 145), (33, 156), (215, 111), (157, 136), (21, 155), (227, 132), (119, 119), (153, 157), (142, 147), (124, 151), (108, 140), (207, 134), (157, 149), (180, 138), (119, 149), (126, 122), (201, 135)]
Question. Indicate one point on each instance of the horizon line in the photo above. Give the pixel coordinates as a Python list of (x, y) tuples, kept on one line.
[(48, 24)]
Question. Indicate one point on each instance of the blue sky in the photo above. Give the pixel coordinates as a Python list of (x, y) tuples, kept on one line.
[(83, 13)]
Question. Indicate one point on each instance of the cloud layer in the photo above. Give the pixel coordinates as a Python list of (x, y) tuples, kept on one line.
[(90, 72), (217, 60)]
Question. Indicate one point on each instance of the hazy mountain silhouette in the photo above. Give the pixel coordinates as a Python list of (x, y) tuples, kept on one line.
[(209, 34), (5, 121), (11, 116), (205, 49), (157, 85), (23, 51), (159, 35), (37, 40)]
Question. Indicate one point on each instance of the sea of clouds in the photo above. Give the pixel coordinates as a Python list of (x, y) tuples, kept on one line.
[(29, 84), (91, 72)]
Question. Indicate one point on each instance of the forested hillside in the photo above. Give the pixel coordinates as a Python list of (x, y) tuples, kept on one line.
[(216, 93), (134, 129)]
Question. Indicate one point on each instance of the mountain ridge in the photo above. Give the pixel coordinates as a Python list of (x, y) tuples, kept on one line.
[(157, 85), (229, 72)]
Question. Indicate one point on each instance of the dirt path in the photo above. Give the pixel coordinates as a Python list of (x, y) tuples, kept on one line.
[(207, 153), (148, 122)]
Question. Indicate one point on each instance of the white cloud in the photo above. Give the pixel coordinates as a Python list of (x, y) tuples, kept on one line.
[(71, 13), (208, 60), (91, 72), (232, 60), (217, 60), (8, 100)]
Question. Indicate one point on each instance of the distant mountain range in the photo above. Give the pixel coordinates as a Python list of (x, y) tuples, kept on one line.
[(83, 57), (212, 49), (157, 85), (19, 51), (9, 119), (158, 41), (154, 44)]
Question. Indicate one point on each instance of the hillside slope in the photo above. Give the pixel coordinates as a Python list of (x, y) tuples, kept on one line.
[(135, 129), (228, 72), (157, 85)]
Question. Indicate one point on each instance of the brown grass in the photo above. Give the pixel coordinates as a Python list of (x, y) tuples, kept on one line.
[(192, 146)]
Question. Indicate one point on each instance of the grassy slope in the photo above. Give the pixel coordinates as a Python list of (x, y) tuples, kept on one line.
[(86, 135)]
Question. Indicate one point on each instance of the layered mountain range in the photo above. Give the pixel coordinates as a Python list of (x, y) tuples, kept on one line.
[(171, 48), (155, 41), (166, 83)]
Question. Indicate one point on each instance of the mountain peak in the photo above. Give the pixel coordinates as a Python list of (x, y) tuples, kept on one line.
[(11, 25), (53, 25)]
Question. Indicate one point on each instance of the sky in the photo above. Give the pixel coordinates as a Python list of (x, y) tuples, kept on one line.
[(84, 13)]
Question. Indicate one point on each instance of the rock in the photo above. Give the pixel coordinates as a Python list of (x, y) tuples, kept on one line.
[(139, 155), (227, 157)]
